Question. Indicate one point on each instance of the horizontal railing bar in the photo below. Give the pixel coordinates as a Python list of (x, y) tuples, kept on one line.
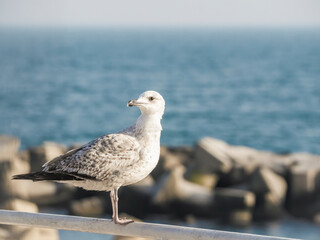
[(105, 226)]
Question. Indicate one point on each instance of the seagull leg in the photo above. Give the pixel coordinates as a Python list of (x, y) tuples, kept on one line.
[(114, 200), (112, 203)]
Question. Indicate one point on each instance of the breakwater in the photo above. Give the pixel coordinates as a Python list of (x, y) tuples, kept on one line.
[(214, 180)]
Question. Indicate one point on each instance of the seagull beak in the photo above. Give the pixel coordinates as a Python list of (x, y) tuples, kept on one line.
[(134, 102)]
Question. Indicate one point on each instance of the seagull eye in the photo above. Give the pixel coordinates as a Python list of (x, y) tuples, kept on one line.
[(151, 98)]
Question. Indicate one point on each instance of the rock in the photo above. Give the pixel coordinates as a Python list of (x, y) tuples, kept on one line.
[(74, 146), (308, 209), (236, 163), (170, 158), (135, 199), (4, 233), (228, 198), (90, 207), (24, 155), (302, 182), (10, 166), (146, 182), (212, 156), (8, 188), (268, 207), (47, 193), (8, 147), (25, 233), (173, 186), (48, 234), (4, 181), (316, 218), (44, 193), (185, 153), (233, 206), (305, 160), (270, 189), (240, 217), (304, 185), (264, 180), (41, 154), (208, 180), (237, 175), (304, 192), (172, 191), (20, 205)]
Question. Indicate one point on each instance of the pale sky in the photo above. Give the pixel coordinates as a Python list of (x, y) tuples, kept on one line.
[(214, 13)]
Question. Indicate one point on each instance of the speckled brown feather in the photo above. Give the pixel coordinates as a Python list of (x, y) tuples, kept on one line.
[(101, 158)]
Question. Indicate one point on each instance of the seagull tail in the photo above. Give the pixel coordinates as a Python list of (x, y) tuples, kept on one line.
[(53, 176), (35, 176)]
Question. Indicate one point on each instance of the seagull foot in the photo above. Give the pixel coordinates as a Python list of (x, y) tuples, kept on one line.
[(123, 221)]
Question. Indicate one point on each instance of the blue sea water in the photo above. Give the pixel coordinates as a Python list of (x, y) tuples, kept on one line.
[(259, 88), (253, 87)]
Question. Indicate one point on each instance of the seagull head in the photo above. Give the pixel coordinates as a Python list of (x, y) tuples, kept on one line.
[(150, 103)]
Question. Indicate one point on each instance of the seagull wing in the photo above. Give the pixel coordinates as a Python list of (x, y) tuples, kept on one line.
[(98, 159)]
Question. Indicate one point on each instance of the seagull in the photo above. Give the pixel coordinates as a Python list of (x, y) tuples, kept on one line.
[(113, 160)]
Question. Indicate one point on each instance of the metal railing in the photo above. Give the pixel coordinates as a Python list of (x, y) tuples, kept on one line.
[(105, 226)]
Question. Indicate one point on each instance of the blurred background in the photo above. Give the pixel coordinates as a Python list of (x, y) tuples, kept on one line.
[(245, 72)]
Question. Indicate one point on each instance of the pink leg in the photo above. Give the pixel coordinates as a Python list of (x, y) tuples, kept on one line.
[(114, 200), (112, 203)]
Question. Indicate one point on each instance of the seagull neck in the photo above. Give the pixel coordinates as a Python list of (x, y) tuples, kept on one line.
[(149, 123)]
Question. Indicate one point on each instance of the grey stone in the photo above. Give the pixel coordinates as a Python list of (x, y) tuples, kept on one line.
[(174, 186), (90, 207), (9, 147), (268, 207), (48, 234), (19, 205), (316, 218), (38, 192), (38, 234), (135, 199), (229, 198), (9, 188), (212, 156), (309, 209), (208, 180), (303, 183), (5, 234), (41, 154), (264, 180), (26, 233), (185, 197), (233, 206), (241, 217), (170, 158), (237, 162), (270, 189), (48, 193)]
